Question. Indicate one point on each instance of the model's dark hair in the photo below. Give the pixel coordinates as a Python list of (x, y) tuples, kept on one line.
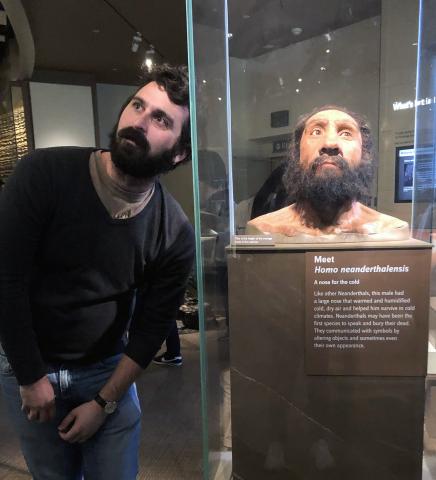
[(175, 81), (368, 160)]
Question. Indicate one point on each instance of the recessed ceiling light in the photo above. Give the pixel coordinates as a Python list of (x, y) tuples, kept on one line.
[(327, 50), (323, 69), (297, 90), (96, 30), (230, 35), (300, 80), (297, 30), (246, 16), (219, 98), (415, 44)]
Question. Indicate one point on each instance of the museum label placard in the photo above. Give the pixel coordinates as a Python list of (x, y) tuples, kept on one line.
[(366, 312)]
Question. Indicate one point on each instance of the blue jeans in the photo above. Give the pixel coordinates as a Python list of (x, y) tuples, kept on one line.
[(111, 454)]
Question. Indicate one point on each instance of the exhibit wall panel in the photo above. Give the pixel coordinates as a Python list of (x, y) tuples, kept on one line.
[(110, 99), (399, 40)]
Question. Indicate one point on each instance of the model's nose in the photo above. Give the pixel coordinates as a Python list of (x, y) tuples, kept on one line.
[(331, 151), (331, 139)]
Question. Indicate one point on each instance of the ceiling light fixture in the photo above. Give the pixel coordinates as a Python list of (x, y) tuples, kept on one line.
[(134, 29), (136, 40), (149, 58), (297, 31)]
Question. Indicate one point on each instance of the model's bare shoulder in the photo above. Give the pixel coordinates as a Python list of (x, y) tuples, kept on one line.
[(285, 221), (376, 222)]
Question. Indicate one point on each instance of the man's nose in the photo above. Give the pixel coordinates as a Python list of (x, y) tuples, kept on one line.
[(141, 122)]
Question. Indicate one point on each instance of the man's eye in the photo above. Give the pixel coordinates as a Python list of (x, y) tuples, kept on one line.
[(136, 105), (161, 120)]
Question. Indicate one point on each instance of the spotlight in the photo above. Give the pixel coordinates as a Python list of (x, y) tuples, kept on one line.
[(149, 57)]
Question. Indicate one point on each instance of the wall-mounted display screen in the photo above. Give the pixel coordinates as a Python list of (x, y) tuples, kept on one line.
[(404, 165)]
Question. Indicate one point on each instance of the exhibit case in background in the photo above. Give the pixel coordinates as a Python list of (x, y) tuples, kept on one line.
[(256, 66)]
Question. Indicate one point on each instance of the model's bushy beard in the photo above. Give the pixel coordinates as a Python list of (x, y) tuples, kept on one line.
[(329, 190), (134, 159)]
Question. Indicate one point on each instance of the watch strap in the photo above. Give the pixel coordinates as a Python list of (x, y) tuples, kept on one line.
[(100, 400)]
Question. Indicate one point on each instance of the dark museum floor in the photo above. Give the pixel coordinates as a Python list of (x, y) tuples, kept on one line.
[(171, 424)]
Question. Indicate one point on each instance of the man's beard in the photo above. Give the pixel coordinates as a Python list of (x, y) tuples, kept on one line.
[(328, 190), (134, 159)]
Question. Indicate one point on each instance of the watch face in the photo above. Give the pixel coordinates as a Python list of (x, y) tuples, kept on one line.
[(110, 407)]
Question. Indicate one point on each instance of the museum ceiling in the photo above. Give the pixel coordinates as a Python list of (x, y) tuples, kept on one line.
[(97, 36)]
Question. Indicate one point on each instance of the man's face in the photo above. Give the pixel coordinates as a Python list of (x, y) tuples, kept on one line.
[(147, 133), (330, 133)]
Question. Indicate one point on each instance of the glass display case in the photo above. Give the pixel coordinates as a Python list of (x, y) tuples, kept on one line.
[(258, 67)]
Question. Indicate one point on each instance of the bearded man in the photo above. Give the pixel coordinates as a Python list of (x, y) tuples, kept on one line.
[(330, 170), (94, 256)]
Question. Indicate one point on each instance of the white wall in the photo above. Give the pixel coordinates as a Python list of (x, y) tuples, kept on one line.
[(62, 115)]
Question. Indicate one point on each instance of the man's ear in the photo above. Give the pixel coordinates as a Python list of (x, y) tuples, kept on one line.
[(179, 158)]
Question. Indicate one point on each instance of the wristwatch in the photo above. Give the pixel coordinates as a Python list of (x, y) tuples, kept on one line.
[(107, 405)]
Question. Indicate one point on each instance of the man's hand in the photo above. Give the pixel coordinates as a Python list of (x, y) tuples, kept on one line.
[(38, 400), (82, 422)]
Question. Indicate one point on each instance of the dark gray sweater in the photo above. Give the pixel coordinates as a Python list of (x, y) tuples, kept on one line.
[(71, 276)]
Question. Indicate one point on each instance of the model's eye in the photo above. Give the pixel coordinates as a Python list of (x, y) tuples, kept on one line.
[(316, 131), (346, 133)]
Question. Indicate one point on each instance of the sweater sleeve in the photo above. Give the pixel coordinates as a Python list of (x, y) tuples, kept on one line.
[(25, 208), (157, 305)]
